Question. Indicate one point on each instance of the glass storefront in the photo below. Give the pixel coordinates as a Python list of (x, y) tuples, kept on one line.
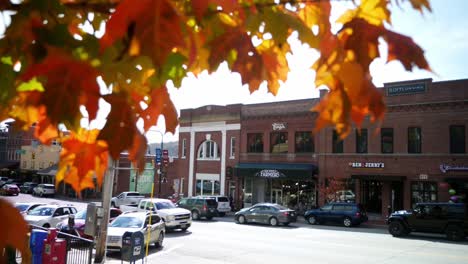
[(423, 192)]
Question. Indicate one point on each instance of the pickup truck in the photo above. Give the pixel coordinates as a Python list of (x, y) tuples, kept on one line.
[(126, 198), (174, 217)]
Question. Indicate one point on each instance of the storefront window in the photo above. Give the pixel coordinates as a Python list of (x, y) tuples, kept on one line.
[(279, 142), (207, 187), (304, 142), (422, 192), (387, 140), (255, 142)]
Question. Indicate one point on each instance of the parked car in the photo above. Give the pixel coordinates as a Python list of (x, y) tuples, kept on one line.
[(24, 208), (348, 214), (28, 187), (135, 222), (223, 204), (49, 215), (44, 189), (79, 220), (126, 198), (266, 213), (9, 189), (200, 207), (174, 217), (448, 218), (4, 179)]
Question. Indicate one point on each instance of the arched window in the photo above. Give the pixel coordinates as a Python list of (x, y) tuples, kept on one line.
[(208, 150)]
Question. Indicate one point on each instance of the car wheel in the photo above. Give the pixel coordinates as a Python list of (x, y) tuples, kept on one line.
[(454, 233), (159, 243), (347, 222), (396, 229), (46, 225), (312, 220), (241, 219), (273, 221), (222, 214), (209, 217), (195, 215)]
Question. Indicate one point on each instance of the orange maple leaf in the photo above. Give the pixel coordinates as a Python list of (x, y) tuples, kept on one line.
[(120, 128), (160, 104), (67, 80), (13, 230), (156, 26), (83, 158)]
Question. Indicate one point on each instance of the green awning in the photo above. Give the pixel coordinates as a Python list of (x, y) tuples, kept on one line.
[(277, 170)]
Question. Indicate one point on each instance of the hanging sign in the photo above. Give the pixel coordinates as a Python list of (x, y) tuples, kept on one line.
[(279, 126)]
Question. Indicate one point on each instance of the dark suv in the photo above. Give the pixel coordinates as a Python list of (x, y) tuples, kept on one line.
[(200, 207), (448, 218), (348, 214)]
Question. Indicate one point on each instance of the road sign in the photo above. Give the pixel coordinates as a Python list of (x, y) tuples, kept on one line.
[(158, 155)]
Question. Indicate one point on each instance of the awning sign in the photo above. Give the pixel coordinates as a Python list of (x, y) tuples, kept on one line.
[(269, 174), (379, 165)]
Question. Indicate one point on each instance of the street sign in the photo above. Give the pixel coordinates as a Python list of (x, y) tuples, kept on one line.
[(158, 155)]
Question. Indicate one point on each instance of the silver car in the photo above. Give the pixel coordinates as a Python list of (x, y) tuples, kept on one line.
[(266, 213)]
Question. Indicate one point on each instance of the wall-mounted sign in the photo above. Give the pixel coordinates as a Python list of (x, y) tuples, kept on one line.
[(423, 176), (444, 168), (279, 126), (269, 174), (367, 165), (406, 89)]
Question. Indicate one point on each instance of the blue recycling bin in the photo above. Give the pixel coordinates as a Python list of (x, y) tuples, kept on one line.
[(36, 243)]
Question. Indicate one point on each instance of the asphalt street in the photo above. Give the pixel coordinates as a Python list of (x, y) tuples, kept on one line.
[(223, 241)]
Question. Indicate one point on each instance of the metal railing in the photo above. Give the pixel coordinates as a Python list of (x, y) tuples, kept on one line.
[(79, 250)]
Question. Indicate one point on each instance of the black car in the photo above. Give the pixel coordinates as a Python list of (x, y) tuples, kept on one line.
[(448, 218), (28, 187), (200, 207), (348, 214)]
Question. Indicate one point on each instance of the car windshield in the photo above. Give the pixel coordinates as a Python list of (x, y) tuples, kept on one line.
[(223, 199), (127, 222), (22, 207), (81, 215), (165, 205), (42, 211)]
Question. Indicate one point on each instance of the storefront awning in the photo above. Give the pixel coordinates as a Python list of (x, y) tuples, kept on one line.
[(378, 177), (277, 170), (50, 171)]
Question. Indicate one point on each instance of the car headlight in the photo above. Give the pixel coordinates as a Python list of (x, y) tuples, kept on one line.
[(170, 218)]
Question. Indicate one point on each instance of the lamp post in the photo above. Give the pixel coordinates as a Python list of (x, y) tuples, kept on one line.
[(161, 164)]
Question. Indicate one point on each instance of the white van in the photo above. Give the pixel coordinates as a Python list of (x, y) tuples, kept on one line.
[(223, 204)]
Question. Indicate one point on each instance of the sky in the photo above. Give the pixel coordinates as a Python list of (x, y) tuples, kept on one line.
[(442, 34)]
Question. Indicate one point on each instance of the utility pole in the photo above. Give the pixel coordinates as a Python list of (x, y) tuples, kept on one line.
[(101, 239)]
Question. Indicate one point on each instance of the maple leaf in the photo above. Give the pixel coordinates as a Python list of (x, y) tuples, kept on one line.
[(361, 37), (14, 230), (66, 80), (334, 108), (157, 26), (82, 158), (317, 14), (375, 12), (202, 7), (160, 104), (275, 64), (404, 49), (420, 5), (120, 127)]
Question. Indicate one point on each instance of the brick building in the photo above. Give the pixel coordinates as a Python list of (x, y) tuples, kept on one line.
[(267, 152)]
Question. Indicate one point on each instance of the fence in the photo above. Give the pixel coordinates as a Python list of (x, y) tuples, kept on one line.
[(79, 250)]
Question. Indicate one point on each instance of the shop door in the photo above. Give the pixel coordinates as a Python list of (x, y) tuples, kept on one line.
[(277, 196), (372, 196), (397, 196)]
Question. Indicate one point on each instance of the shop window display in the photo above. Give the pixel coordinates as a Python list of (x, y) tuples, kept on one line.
[(422, 192)]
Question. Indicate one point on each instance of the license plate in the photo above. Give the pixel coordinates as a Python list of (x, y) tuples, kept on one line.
[(183, 225)]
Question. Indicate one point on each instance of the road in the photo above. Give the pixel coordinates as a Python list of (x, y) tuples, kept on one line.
[(223, 241)]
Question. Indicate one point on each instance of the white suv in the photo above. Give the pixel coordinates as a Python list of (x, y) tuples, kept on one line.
[(223, 204), (44, 189), (49, 215)]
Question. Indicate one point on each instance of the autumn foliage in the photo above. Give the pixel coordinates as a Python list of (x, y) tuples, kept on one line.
[(53, 53)]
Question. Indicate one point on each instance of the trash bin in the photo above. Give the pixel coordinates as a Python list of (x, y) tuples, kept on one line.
[(37, 244)]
